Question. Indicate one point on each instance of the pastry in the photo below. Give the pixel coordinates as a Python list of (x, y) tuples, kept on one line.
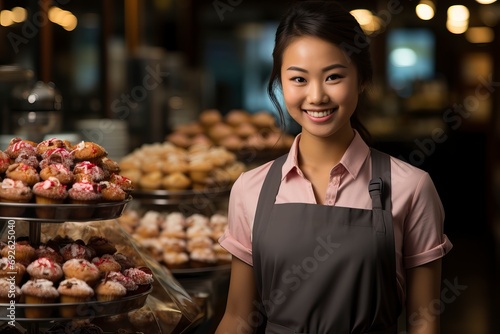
[(124, 182), (59, 171), (28, 157), (8, 291), (76, 250), (202, 257), (106, 263), (222, 255), (143, 319), (89, 151), (46, 251), (176, 181), (123, 260), (127, 282), (236, 117), (14, 191), (101, 245), (23, 252), (108, 290), (57, 156), (73, 290), (176, 260), (16, 145), (50, 191), (199, 169), (4, 162), (219, 131), (263, 119), (142, 276), (112, 192), (83, 193), (179, 139), (210, 117), (9, 269), (81, 269), (22, 172), (39, 291), (109, 166), (86, 171), (151, 181), (245, 130), (45, 268), (49, 144)]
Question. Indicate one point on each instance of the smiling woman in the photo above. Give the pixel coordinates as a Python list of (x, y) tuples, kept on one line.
[(333, 237)]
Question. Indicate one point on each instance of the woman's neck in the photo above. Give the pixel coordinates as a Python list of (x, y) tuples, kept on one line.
[(317, 151)]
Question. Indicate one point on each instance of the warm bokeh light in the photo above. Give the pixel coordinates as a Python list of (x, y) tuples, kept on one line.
[(363, 16), (458, 13), (63, 18), (425, 10), (6, 18), (480, 35), (19, 14), (457, 27), (485, 2)]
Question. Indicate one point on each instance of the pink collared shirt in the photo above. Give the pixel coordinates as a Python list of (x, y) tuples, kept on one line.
[(418, 214)]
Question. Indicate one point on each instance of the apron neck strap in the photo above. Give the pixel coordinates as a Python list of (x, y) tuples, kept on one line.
[(380, 184)]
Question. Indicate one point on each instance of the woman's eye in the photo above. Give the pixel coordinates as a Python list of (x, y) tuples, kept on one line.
[(334, 77), (299, 79)]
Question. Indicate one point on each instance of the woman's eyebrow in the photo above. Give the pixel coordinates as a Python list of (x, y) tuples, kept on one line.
[(325, 69)]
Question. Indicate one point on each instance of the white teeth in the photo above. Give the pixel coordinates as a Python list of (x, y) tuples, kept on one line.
[(320, 113)]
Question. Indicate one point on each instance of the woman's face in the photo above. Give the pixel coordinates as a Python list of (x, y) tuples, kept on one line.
[(320, 87)]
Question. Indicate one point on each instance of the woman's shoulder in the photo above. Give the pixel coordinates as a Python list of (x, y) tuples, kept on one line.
[(255, 176)]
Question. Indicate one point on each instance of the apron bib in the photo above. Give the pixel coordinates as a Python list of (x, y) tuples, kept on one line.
[(326, 269)]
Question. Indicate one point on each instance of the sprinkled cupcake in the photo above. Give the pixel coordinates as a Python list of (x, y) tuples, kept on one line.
[(73, 290), (59, 171), (83, 193), (45, 268), (50, 191), (118, 277), (76, 250), (109, 290), (39, 291), (88, 171), (106, 263), (16, 145), (24, 252), (9, 269), (14, 191), (57, 156), (81, 269), (23, 172)]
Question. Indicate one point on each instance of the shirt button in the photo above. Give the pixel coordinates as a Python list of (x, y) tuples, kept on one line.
[(330, 202)]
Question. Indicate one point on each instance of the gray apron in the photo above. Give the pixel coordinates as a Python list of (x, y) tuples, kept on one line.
[(326, 269)]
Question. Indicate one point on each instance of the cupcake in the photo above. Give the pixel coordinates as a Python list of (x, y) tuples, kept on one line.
[(88, 151), (112, 192), (49, 144), (106, 263), (27, 157), (39, 291), (176, 182), (142, 276), (81, 269), (9, 269), (76, 250), (86, 171), (109, 290), (22, 172), (109, 166), (16, 145), (124, 182), (59, 171), (14, 191), (50, 191), (236, 117), (199, 169), (101, 245), (123, 260), (8, 291), (73, 290), (143, 319), (202, 257), (127, 282), (210, 117), (23, 252), (176, 260), (45, 268), (49, 251), (263, 119), (83, 193), (4, 162), (57, 156)]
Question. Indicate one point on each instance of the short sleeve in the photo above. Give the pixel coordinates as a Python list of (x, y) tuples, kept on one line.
[(424, 240), (237, 237)]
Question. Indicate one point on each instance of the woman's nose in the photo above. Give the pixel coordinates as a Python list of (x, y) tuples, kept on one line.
[(317, 94)]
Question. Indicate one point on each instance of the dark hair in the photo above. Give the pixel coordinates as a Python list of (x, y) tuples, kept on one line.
[(331, 22)]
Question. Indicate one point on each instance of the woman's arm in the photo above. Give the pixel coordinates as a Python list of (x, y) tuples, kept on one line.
[(423, 303), (240, 314)]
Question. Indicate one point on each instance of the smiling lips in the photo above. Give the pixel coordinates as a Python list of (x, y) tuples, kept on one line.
[(320, 114)]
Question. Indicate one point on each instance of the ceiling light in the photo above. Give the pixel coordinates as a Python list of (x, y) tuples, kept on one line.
[(458, 13), (425, 10), (485, 2)]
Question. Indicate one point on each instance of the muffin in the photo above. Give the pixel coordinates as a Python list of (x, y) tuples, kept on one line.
[(73, 290), (236, 117), (57, 156), (16, 145), (4, 162), (76, 250), (24, 252), (22, 172), (127, 282), (49, 144), (59, 171), (45, 268), (151, 181), (219, 131), (9, 269), (83, 193), (47, 251), (176, 260), (179, 139), (109, 166), (210, 117), (199, 169), (8, 291), (123, 260), (14, 191), (142, 276), (263, 119), (109, 290), (124, 182), (176, 182), (81, 269), (111, 192), (50, 191), (101, 245), (27, 157), (143, 319), (202, 257), (39, 291), (89, 151), (106, 263), (86, 171)]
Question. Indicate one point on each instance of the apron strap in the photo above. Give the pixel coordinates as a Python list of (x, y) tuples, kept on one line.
[(380, 184)]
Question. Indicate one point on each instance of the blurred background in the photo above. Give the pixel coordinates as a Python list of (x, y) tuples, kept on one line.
[(147, 66)]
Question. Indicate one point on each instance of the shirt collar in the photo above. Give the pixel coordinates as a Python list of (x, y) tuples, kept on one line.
[(352, 160)]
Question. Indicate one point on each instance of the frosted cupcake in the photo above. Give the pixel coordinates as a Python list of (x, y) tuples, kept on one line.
[(45, 268), (14, 191), (83, 193), (124, 182), (89, 151), (76, 250), (142, 276), (16, 145), (73, 290), (49, 144), (59, 171), (24, 252), (39, 291), (118, 277), (50, 191), (87, 171), (47, 251), (57, 156), (23, 172), (28, 157), (106, 263)]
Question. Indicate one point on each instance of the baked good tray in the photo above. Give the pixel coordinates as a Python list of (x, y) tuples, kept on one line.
[(225, 268), (58, 213), (166, 197), (85, 310)]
